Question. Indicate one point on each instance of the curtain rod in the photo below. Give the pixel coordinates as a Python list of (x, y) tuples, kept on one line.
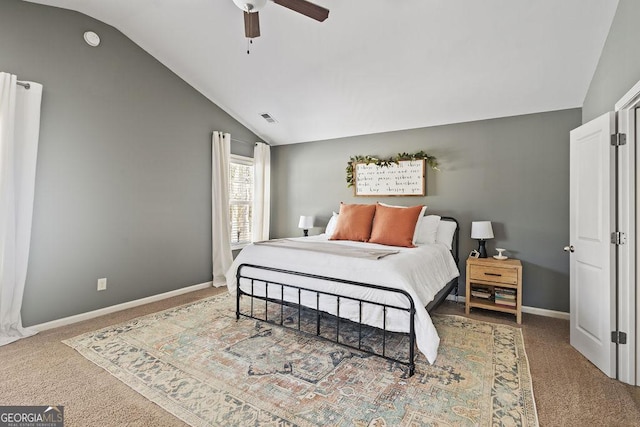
[(23, 84), (248, 143), (245, 142), (242, 142)]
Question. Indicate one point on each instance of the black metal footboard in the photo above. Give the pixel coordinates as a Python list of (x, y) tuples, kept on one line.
[(409, 307), (279, 286)]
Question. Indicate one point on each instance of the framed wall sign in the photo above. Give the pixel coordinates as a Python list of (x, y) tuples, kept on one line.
[(406, 178)]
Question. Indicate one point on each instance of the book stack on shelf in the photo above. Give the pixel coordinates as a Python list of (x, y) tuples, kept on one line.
[(481, 292), (506, 297)]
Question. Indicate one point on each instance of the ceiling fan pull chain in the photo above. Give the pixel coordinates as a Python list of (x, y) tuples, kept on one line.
[(249, 43)]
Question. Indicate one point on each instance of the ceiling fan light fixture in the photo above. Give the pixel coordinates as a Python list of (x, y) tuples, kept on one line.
[(250, 6)]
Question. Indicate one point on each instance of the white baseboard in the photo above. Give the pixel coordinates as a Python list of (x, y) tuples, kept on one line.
[(118, 307), (526, 309), (544, 312)]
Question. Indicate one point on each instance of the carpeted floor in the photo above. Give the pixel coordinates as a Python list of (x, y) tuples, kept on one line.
[(41, 370)]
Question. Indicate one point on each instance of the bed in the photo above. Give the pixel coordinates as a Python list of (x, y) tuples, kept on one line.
[(391, 289)]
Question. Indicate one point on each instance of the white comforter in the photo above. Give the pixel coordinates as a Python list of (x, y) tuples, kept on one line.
[(421, 271)]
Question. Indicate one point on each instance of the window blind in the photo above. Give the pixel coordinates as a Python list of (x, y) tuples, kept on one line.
[(240, 199)]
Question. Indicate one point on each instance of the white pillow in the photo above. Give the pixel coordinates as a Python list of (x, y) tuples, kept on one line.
[(428, 229), (331, 226), (415, 232), (446, 231)]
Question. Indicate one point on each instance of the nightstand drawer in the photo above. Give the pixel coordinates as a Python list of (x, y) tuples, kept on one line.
[(494, 274)]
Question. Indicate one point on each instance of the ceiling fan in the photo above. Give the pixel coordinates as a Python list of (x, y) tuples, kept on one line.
[(251, 8)]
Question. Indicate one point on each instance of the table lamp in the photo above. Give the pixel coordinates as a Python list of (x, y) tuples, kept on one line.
[(306, 222), (482, 231)]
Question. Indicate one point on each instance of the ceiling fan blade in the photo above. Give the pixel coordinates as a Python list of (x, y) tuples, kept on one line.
[(251, 25), (306, 8)]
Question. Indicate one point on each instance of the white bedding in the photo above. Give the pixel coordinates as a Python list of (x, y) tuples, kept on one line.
[(421, 271)]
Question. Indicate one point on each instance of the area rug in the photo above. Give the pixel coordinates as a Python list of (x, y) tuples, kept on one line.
[(201, 365)]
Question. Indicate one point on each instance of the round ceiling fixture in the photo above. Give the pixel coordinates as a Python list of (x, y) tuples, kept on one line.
[(91, 38), (250, 5)]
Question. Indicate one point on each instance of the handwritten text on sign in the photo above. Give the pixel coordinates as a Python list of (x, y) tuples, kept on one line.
[(403, 179)]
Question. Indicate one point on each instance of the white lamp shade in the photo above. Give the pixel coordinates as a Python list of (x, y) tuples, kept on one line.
[(306, 222), (481, 230)]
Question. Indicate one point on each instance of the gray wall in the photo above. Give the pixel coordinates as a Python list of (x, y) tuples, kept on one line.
[(619, 66), (123, 178), (512, 171)]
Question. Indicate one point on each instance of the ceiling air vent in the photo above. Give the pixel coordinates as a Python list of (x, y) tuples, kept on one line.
[(268, 118)]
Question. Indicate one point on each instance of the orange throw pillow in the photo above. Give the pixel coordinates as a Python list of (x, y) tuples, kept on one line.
[(354, 222), (395, 226)]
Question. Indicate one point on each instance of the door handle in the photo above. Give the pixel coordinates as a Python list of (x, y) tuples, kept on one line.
[(569, 248)]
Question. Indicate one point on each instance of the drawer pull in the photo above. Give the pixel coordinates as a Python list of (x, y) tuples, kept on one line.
[(493, 274)]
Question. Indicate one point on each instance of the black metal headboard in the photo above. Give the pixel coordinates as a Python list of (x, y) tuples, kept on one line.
[(455, 245)]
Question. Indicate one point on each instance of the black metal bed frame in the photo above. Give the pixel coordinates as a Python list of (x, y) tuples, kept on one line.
[(440, 296)]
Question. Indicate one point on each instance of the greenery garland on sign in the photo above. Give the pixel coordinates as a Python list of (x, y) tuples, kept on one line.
[(420, 155)]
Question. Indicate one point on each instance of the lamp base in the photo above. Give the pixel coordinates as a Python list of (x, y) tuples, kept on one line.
[(306, 234), (482, 249)]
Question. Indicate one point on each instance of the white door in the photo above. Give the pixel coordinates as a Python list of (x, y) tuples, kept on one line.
[(592, 262)]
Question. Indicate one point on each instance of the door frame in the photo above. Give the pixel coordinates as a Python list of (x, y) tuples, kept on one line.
[(628, 296)]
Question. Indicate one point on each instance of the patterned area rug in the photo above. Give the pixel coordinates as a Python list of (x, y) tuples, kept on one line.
[(200, 364)]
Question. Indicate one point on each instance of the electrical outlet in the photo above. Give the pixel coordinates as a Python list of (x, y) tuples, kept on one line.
[(102, 284)]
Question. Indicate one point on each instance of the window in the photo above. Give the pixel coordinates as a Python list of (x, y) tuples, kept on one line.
[(240, 200)]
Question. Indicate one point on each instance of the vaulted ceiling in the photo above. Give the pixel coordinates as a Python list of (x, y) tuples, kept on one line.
[(373, 65)]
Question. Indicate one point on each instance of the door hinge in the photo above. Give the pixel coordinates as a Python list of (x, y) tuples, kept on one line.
[(618, 139), (618, 238), (618, 337)]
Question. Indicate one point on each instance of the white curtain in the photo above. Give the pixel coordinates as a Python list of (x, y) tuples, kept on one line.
[(261, 191), (220, 223), (19, 133)]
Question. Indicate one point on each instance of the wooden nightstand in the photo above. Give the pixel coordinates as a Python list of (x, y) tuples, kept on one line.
[(486, 276)]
